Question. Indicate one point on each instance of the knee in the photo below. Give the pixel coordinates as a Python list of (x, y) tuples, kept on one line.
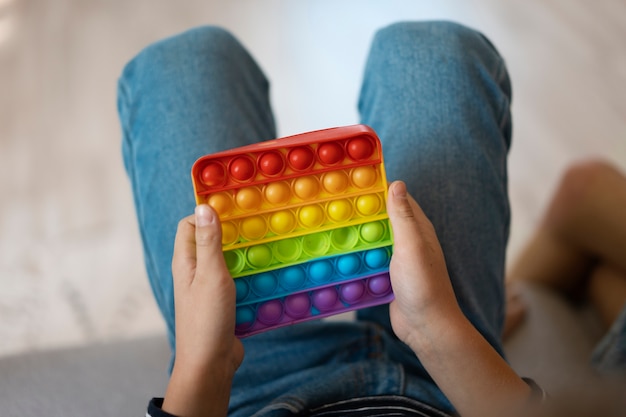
[(441, 40), (170, 56), (579, 185), (442, 58), (582, 178)]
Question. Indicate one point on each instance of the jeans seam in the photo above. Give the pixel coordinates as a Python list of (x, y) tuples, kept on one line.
[(504, 116), (401, 380), (129, 156)]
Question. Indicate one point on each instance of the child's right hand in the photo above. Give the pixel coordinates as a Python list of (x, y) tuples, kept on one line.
[(207, 351)]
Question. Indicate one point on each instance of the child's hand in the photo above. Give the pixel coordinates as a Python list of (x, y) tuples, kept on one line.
[(422, 288), (426, 316), (207, 351)]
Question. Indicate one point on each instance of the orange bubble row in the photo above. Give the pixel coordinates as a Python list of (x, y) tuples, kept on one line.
[(280, 193)]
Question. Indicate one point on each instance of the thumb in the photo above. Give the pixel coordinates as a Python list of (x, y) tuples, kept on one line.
[(398, 205), (409, 223), (404, 212), (208, 240)]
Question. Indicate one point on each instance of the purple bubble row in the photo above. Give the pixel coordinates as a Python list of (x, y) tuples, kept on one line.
[(309, 305)]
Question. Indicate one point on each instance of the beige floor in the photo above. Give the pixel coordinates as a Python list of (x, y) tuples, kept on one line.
[(70, 259)]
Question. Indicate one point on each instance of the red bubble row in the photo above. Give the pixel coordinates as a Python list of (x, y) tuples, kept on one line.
[(244, 168)]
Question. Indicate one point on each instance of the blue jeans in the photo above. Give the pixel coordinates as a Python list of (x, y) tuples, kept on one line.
[(437, 94)]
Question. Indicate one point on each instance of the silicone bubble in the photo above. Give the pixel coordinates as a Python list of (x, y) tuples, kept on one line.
[(306, 188), (311, 216), (263, 284), (244, 317), (282, 222), (339, 210), (352, 292), (345, 238), (253, 227), (234, 261), (229, 233), (335, 182), (368, 205), (270, 312), (316, 244), (287, 250), (278, 192), (320, 271), (379, 285), (325, 299), (292, 278), (271, 163), (360, 149), (242, 168), (213, 174), (242, 288), (330, 153), (301, 158), (259, 256), (304, 228), (363, 177), (348, 264), (372, 232), (297, 305), (221, 203), (249, 198), (376, 258)]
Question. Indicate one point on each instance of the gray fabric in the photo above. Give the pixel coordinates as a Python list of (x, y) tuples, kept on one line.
[(115, 379), (553, 347)]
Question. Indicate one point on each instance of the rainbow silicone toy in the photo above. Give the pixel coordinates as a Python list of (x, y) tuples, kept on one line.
[(305, 231)]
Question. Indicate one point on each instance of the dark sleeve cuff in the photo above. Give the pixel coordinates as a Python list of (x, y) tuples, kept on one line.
[(154, 409)]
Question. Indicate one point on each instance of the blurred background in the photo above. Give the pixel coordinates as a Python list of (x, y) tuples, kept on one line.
[(71, 267)]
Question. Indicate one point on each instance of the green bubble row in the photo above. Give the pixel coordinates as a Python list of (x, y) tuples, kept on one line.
[(300, 249)]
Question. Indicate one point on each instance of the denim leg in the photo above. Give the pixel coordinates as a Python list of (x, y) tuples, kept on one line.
[(609, 355), (438, 95), (200, 92), (186, 96)]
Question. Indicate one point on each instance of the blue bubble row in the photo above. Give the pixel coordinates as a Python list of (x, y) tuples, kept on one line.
[(319, 302), (281, 282)]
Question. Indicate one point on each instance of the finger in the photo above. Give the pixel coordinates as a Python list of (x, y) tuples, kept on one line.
[(406, 216), (184, 258), (209, 257)]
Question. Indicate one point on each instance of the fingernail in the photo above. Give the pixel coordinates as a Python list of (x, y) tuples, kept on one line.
[(399, 189), (204, 216)]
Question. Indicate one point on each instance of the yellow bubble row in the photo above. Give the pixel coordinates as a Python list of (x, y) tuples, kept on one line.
[(251, 199), (304, 218)]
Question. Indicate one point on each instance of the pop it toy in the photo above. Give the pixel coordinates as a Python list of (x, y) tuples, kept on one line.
[(305, 231)]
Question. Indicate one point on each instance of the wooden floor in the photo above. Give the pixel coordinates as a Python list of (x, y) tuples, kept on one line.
[(71, 268)]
